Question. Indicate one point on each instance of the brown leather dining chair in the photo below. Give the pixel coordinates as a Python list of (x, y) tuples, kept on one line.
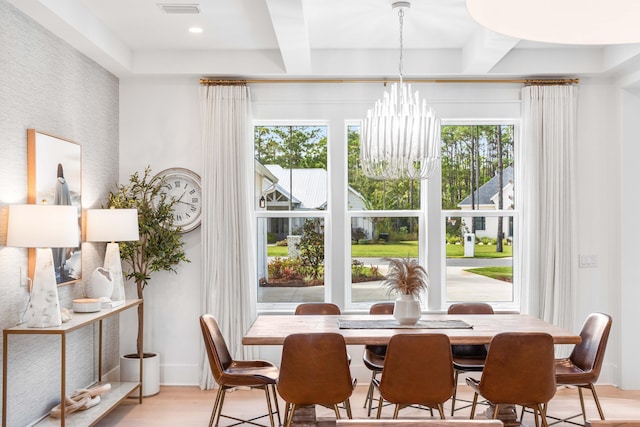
[(373, 356), (418, 369), (467, 358), (519, 370), (325, 308), (582, 367), (230, 373), (314, 370)]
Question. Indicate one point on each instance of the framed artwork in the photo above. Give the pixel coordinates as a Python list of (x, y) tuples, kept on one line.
[(54, 177)]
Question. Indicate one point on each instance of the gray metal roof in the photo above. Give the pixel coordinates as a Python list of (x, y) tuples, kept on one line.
[(484, 194)]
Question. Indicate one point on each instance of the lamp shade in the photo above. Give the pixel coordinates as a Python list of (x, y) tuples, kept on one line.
[(43, 226), (112, 225), (590, 22)]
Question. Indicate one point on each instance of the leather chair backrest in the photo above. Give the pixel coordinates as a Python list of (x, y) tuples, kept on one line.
[(318, 308), (314, 369), (470, 308), (217, 350), (519, 369), (470, 351), (589, 354), (418, 368), (382, 308)]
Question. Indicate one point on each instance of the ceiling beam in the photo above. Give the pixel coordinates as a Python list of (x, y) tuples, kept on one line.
[(484, 50), (290, 27)]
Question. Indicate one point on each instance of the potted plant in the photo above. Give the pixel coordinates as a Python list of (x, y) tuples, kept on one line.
[(409, 279), (160, 248)]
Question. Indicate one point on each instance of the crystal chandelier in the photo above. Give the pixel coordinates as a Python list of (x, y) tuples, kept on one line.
[(400, 137)]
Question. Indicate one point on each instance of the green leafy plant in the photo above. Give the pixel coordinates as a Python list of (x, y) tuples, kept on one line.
[(160, 247), (406, 276)]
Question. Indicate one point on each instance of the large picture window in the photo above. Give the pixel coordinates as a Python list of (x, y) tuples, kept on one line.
[(384, 219)]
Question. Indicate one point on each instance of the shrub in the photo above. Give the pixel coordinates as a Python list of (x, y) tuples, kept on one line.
[(271, 238), (282, 242), (357, 234)]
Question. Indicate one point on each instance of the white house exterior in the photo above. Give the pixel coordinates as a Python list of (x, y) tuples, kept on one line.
[(486, 198)]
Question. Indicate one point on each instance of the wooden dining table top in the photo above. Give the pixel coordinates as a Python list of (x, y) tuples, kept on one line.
[(270, 329)]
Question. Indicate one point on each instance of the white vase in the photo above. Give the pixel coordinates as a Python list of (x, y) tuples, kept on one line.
[(130, 371), (407, 310), (100, 284)]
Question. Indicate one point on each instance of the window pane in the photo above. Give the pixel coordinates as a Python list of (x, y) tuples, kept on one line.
[(373, 239), (478, 267), (369, 194), (291, 167), (290, 264), (478, 175)]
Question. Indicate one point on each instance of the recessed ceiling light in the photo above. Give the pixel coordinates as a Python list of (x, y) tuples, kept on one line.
[(195, 30)]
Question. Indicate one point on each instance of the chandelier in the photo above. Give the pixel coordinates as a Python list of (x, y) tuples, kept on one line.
[(400, 136)]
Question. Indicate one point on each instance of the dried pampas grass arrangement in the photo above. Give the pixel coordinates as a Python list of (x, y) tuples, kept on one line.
[(406, 276)]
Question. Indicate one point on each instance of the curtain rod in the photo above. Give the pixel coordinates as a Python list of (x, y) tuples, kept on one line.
[(232, 82)]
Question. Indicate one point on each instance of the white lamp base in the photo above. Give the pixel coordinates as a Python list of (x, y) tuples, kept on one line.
[(44, 305), (113, 263)]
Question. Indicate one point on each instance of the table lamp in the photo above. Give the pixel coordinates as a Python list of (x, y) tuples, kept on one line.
[(113, 225), (43, 227)]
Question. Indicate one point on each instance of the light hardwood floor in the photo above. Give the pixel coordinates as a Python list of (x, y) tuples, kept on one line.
[(189, 406)]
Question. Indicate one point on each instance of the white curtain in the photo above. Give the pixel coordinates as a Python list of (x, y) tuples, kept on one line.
[(228, 249), (548, 197)]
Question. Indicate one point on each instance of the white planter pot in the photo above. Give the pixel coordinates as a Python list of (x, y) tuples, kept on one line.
[(130, 371), (407, 310)]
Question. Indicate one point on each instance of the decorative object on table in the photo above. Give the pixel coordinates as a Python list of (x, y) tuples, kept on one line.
[(400, 136), (160, 247), (43, 227), (86, 305), (80, 400), (112, 225), (54, 178), (184, 186), (409, 279), (100, 285), (65, 315)]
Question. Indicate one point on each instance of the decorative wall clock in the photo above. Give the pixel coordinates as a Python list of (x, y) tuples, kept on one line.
[(184, 186)]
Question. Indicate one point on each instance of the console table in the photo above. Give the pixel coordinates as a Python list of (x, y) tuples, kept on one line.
[(117, 394)]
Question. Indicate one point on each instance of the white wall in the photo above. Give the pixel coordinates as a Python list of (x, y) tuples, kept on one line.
[(160, 127)]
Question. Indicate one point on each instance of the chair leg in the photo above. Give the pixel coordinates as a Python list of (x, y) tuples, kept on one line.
[(595, 398), (215, 406), (347, 404), (441, 411), (455, 391), (337, 411), (269, 407), (473, 406), (379, 407), (289, 410), (495, 412), (223, 393), (369, 398), (275, 398), (396, 412), (584, 412)]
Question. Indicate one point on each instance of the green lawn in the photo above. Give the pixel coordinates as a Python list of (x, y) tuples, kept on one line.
[(499, 273), (405, 249)]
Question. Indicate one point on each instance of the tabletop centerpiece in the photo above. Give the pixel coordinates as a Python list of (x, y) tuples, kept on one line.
[(409, 279)]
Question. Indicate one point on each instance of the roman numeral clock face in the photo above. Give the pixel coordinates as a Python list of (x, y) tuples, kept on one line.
[(183, 185)]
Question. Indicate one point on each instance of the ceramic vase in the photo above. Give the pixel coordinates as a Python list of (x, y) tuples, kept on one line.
[(100, 284), (407, 310)]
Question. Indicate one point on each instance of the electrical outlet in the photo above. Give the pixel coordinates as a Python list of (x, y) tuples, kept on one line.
[(588, 261)]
